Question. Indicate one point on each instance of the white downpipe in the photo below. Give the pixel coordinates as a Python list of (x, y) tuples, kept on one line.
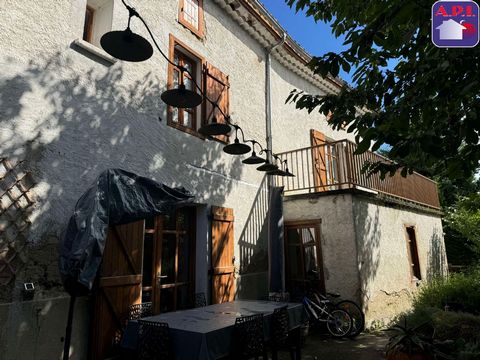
[(268, 92)]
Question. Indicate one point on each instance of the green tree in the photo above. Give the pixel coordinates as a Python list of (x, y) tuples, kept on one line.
[(464, 218), (427, 108)]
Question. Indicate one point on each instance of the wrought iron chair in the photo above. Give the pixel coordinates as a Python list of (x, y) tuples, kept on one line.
[(282, 338), (138, 311), (200, 300), (247, 341), (154, 342)]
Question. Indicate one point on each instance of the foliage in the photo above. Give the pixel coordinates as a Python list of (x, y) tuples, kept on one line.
[(427, 108), (454, 332), (457, 333), (413, 339), (464, 218), (461, 289)]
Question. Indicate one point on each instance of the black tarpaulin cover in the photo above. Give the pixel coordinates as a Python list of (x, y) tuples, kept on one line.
[(116, 197)]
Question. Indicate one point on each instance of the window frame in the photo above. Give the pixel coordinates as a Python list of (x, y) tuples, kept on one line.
[(304, 224), (412, 254), (199, 61), (181, 19), (88, 24)]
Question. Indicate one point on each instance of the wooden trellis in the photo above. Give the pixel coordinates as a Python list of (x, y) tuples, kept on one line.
[(16, 201)]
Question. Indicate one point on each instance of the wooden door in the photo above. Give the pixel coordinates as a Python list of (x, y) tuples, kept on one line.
[(119, 284), (223, 269), (318, 159), (303, 257)]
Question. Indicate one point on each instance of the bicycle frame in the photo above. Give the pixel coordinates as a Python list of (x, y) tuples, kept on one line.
[(312, 309)]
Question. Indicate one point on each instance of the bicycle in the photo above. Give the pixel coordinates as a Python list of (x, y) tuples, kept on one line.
[(352, 308), (338, 321)]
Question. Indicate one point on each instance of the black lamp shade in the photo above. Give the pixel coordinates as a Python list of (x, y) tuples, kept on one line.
[(126, 45), (215, 129), (237, 148), (288, 173), (253, 159), (267, 167), (277, 172), (181, 97)]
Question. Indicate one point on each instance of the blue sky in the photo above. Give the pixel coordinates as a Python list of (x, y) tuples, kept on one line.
[(316, 38)]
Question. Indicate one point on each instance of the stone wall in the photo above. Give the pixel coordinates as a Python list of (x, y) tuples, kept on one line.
[(35, 330), (364, 249), (337, 236), (69, 114), (386, 283)]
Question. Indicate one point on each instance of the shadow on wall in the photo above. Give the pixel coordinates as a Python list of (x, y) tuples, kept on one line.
[(253, 245), (69, 120), (368, 244), (437, 261)]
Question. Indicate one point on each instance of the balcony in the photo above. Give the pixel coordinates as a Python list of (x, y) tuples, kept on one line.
[(333, 166)]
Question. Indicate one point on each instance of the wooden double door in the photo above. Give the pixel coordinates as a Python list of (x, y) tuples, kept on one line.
[(151, 260)]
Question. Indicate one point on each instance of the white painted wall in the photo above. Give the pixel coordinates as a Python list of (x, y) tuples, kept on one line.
[(365, 250), (386, 285), (337, 238)]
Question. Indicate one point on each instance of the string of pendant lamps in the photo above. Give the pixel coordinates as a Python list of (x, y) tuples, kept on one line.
[(128, 46)]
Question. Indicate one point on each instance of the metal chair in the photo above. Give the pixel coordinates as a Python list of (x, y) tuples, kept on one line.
[(247, 341), (138, 311), (282, 338), (200, 300), (154, 341), (279, 297)]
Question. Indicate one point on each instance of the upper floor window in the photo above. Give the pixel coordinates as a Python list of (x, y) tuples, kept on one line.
[(98, 20), (191, 15), (211, 80)]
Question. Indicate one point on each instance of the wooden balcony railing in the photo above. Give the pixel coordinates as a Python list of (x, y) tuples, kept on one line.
[(333, 166)]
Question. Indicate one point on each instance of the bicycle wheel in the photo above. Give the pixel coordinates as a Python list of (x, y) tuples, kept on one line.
[(339, 323), (358, 318)]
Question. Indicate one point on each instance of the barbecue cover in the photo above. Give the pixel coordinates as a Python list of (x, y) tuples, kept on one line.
[(116, 197)]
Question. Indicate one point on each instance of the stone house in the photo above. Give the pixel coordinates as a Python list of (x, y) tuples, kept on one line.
[(68, 111)]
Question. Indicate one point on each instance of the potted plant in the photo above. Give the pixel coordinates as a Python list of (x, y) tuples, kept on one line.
[(413, 343)]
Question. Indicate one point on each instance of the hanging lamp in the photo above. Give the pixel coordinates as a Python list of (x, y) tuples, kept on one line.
[(126, 45)]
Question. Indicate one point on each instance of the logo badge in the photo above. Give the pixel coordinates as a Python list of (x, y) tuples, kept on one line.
[(455, 24)]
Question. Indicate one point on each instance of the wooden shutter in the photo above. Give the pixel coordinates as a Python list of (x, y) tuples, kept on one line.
[(119, 284), (217, 89), (223, 269), (318, 158)]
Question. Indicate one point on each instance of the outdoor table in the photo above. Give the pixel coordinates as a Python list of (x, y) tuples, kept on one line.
[(205, 333)]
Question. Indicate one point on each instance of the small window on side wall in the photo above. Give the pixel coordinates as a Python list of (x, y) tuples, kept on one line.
[(98, 20), (191, 15), (413, 253)]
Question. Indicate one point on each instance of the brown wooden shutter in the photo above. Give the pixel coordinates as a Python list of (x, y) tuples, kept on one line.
[(119, 284), (318, 157), (217, 89), (223, 269)]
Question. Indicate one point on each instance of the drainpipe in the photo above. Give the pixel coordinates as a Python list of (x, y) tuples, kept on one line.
[(277, 267), (268, 94)]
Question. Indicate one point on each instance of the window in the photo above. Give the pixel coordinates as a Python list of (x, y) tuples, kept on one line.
[(98, 20), (191, 16), (303, 257), (184, 119), (88, 26), (413, 253), (213, 81)]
